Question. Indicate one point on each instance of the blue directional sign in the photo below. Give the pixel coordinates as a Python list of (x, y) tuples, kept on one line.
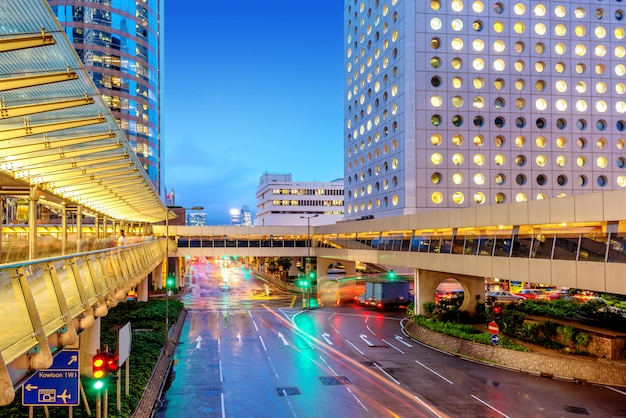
[(495, 339), (57, 385)]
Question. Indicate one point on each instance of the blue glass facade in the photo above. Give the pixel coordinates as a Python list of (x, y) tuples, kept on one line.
[(118, 41)]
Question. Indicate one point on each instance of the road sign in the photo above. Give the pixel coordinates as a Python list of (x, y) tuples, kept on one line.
[(493, 327), (57, 385), (495, 339)]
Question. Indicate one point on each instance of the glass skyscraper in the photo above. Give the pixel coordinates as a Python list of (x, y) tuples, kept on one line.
[(119, 43)]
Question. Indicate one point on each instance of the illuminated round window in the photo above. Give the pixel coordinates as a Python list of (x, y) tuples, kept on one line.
[(500, 198), (620, 144), (601, 162), (394, 109), (479, 160), (601, 143), (457, 101), (499, 65), (561, 105), (540, 160), (478, 102), (394, 90), (560, 49), (435, 5), (478, 7), (581, 105), (478, 64), (520, 141), (457, 63), (580, 68), (457, 5), (436, 101), (478, 83), (435, 23), (520, 103), (520, 84), (435, 178), (478, 140), (621, 181), (559, 11), (600, 51), (498, 27), (394, 163), (601, 87), (540, 48), (620, 107), (540, 29), (500, 179), (457, 139), (601, 106), (600, 32), (457, 159), (498, 84), (581, 87), (435, 62), (519, 66), (600, 69), (540, 142), (499, 46), (394, 200), (457, 44), (540, 66), (561, 142), (435, 43), (457, 178), (540, 85), (456, 25), (458, 198), (479, 179), (519, 47), (560, 30), (620, 51), (541, 196), (436, 158), (559, 67), (520, 197), (520, 161), (580, 50), (539, 10), (499, 141), (477, 25), (541, 104), (620, 70), (479, 198), (519, 28), (478, 45), (580, 31), (619, 33), (620, 88), (561, 160), (436, 197), (499, 159)]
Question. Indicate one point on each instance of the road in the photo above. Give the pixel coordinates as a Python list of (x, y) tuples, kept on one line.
[(246, 354)]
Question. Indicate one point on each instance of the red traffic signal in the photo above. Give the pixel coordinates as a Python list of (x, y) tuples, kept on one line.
[(99, 365), (497, 311), (112, 362)]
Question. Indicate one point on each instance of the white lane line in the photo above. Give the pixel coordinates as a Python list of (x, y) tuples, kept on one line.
[(263, 343), (388, 375), (425, 405), (393, 346), (223, 409), (357, 399), (370, 330), (289, 403), (615, 389), (355, 347), (328, 365), (255, 327), (489, 406), (221, 372), (273, 368), (250, 314), (433, 372), (219, 346)]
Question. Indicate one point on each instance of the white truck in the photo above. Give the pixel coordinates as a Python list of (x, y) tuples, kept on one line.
[(384, 293)]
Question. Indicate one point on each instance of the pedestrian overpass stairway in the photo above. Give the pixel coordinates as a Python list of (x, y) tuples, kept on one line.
[(48, 302)]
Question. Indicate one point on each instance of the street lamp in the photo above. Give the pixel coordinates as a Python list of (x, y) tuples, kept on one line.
[(308, 260)]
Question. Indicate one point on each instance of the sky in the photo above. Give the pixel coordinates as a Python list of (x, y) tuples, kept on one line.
[(250, 87)]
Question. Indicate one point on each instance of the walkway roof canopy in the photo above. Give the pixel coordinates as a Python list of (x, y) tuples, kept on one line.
[(56, 131)]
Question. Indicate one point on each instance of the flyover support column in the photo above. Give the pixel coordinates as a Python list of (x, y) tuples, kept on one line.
[(142, 290), (425, 285), (89, 343)]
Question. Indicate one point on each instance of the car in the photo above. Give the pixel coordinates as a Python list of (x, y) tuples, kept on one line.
[(503, 296), (532, 294), (559, 294)]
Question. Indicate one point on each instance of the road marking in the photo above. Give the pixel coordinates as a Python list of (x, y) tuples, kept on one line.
[(325, 337), (221, 371), (399, 338), (199, 342), (357, 399), (370, 330), (328, 365), (433, 372), (219, 346), (223, 410), (388, 375), (239, 337), (489, 406), (355, 347), (272, 365), (293, 301), (393, 346), (615, 389), (364, 338), (262, 343), (255, 327), (282, 337), (425, 405)]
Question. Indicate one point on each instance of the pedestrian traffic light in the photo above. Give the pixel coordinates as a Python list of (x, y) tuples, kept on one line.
[(169, 282), (497, 311), (304, 282), (100, 369), (312, 275)]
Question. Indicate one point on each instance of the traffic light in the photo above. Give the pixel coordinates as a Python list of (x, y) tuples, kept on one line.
[(312, 275), (112, 362), (497, 311), (169, 282), (304, 282), (100, 369), (391, 274)]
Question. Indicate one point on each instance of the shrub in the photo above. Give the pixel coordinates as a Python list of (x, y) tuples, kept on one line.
[(567, 334), (581, 339)]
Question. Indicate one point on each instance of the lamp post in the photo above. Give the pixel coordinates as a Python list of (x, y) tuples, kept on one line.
[(308, 260)]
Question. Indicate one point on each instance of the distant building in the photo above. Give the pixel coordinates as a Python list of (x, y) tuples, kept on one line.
[(281, 201), (457, 104), (235, 217), (245, 217), (196, 218)]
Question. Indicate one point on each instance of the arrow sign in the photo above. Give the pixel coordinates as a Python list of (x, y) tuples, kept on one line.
[(495, 339), (282, 337), (364, 338), (239, 337), (57, 385), (325, 337), (199, 342), (399, 338)]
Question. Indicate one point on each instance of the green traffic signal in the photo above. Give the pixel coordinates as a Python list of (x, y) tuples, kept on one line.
[(98, 384), (391, 274), (304, 283), (312, 275), (169, 282)]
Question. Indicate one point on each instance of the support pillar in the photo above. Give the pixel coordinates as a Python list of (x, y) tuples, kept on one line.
[(142, 290), (89, 343), (63, 228), (32, 222)]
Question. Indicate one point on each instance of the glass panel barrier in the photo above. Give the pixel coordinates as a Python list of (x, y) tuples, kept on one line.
[(42, 288), (458, 244), (69, 288), (566, 247), (19, 336), (593, 246), (83, 270), (542, 246), (485, 244), (521, 245), (446, 244), (502, 246), (617, 248), (435, 244)]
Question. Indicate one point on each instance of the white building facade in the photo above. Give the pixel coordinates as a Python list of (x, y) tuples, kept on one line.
[(281, 201), (461, 103)]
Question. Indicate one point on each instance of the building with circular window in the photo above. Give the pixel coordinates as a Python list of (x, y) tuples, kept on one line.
[(473, 102)]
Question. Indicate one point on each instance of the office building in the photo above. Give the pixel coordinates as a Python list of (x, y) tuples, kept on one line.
[(119, 44), (196, 218), (281, 201), (245, 216), (463, 103)]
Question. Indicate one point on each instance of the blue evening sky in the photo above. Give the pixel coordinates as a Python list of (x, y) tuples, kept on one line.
[(250, 86)]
